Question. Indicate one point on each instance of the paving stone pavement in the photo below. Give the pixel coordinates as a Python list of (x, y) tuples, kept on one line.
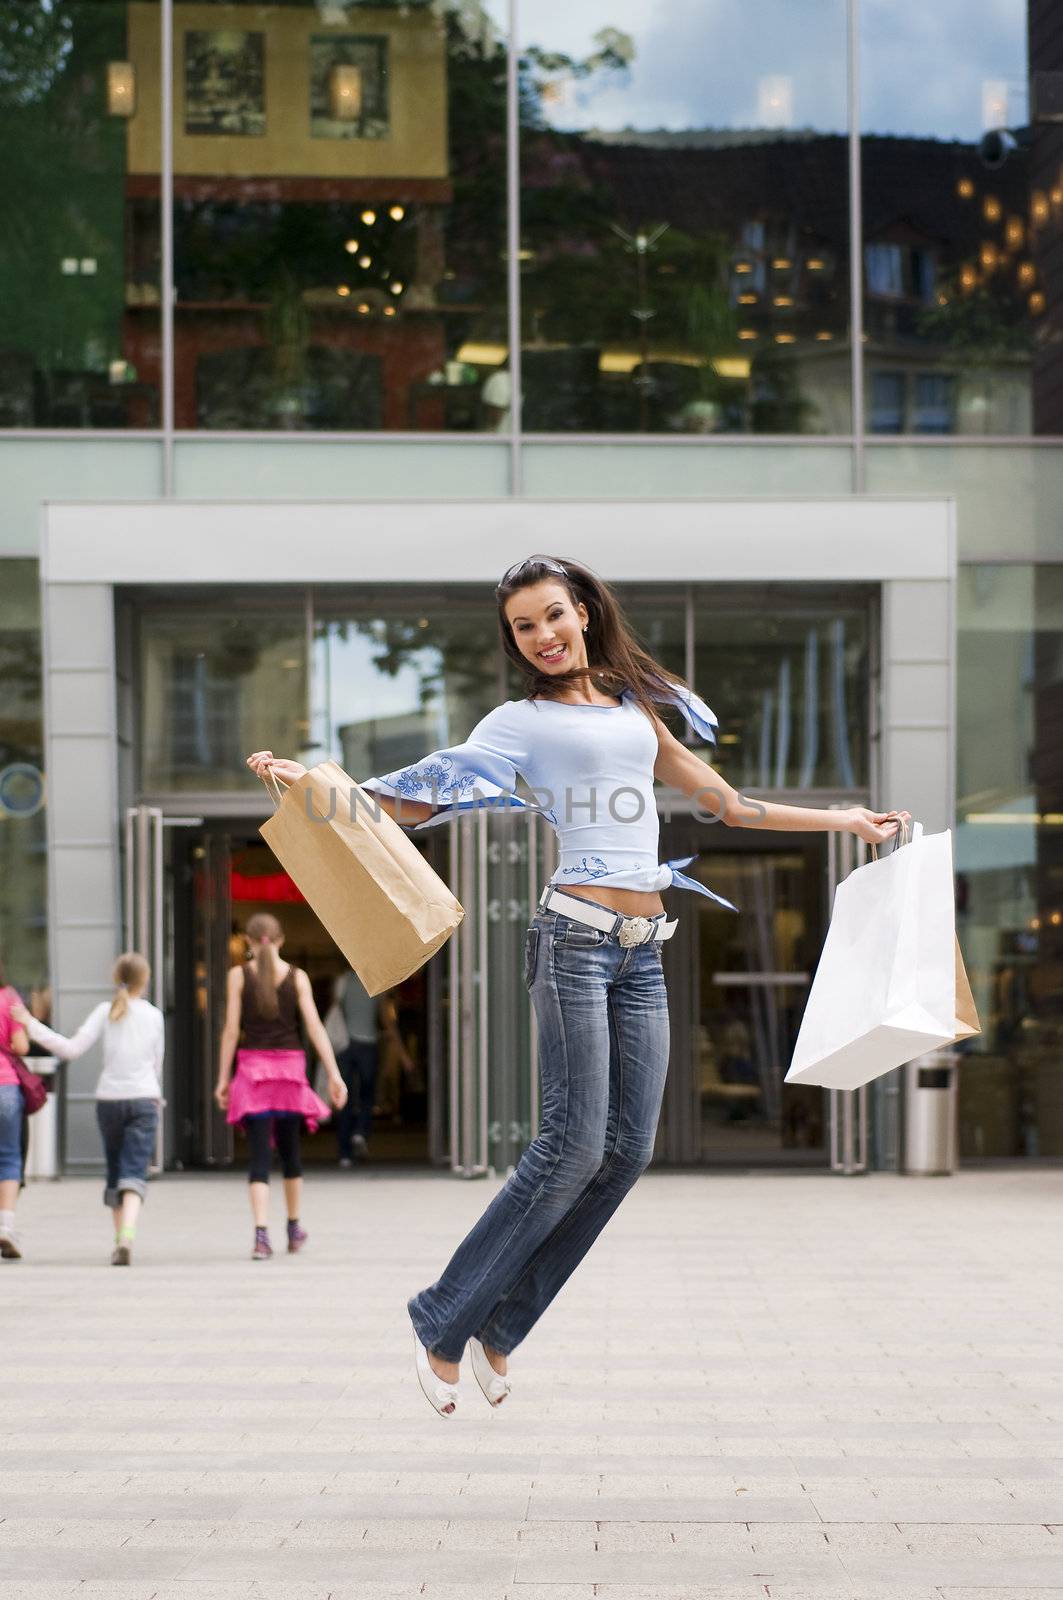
[(791, 1387)]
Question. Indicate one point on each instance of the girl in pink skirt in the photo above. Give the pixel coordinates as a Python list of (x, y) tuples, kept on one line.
[(270, 1094)]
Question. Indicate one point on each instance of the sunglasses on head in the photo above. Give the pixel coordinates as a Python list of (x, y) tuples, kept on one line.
[(514, 572)]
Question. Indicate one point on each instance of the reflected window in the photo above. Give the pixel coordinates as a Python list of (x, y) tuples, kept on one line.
[(935, 403), (202, 714), (218, 678), (79, 312), (887, 402), (23, 886), (1009, 856), (349, 87), (789, 678), (684, 220), (396, 672), (963, 207), (339, 218), (397, 675)]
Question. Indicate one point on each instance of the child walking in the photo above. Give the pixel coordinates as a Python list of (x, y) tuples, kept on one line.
[(128, 1092)]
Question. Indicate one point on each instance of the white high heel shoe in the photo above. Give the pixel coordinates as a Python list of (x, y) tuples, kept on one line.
[(442, 1397), (493, 1385)]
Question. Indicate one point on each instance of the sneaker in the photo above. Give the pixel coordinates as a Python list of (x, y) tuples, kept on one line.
[(263, 1249), (297, 1237), (9, 1247), (122, 1256), (345, 1163), (361, 1149)]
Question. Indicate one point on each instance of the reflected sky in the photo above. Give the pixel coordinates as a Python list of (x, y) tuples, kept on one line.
[(927, 71), (945, 70)]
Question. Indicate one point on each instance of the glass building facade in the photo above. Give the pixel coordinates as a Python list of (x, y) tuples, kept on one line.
[(469, 250)]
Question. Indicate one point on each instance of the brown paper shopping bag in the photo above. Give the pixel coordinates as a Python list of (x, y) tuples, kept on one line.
[(966, 1012), (366, 881)]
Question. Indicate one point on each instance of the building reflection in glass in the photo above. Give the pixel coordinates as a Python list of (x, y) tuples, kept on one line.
[(685, 220), (1009, 857), (963, 212), (341, 200), (79, 310), (339, 203)]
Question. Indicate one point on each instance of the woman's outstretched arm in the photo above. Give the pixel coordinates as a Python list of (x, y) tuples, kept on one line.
[(679, 768)]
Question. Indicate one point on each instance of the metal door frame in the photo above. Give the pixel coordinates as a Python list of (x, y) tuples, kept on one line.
[(144, 918), (848, 1124), (468, 999)]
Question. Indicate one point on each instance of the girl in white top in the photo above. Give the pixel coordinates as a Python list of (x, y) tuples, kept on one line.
[(128, 1091)]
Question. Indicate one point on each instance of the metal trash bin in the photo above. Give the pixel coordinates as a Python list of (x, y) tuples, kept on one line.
[(931, 1131), (42, 1154)]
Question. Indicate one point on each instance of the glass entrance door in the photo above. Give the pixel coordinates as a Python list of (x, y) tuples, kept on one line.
[(223, 874), (737, 991), (498, 862)]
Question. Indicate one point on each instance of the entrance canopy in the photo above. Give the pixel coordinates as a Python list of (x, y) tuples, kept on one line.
[(473, 541)]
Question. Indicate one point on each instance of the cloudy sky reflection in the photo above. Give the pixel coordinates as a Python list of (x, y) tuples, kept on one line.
[(928, 71)]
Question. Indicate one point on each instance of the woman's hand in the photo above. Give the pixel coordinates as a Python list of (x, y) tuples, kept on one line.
[(221, 1096), (337, 1093), (264, 761), (875, 827), (21, 1015)]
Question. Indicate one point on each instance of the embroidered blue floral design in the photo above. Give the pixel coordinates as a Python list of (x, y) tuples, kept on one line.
[(595, 868), (440, 778)]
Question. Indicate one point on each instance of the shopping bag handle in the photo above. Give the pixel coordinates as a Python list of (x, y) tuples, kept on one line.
[(275, 789), (902, 837)]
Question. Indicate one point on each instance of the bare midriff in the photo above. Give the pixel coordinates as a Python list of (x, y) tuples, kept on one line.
[(628, 902)]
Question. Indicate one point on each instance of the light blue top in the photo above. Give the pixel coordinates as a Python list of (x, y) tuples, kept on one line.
[(590, 769)]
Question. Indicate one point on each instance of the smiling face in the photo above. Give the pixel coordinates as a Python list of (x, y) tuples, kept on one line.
[(547, 627)]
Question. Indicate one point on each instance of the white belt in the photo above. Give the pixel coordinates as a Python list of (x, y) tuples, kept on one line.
[(628, 930)]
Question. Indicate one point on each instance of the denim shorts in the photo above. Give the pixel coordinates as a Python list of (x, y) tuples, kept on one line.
[(128, 1129), (10, 1132)]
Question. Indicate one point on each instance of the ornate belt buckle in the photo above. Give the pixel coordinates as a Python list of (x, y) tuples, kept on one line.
[(634, 930)]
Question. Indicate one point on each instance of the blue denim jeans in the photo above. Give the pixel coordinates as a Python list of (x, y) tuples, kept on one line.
[(128, 1128), (603, 1056), (358, 1068), (10, 1131)]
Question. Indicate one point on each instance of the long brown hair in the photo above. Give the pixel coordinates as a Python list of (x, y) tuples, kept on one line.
[(264, 931), (616, 659), (130, 970)]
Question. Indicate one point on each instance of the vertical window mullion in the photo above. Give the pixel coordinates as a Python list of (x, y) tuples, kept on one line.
[(856, 251), (166, 287), (516, 472)]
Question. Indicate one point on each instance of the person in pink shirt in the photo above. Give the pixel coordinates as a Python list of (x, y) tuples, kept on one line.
[(13, 1042)]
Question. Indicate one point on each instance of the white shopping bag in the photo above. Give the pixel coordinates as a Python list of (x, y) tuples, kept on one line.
[(885, 988)]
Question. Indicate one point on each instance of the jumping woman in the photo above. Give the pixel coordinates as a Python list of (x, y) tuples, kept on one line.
[(588, 740), (270, 1094)]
